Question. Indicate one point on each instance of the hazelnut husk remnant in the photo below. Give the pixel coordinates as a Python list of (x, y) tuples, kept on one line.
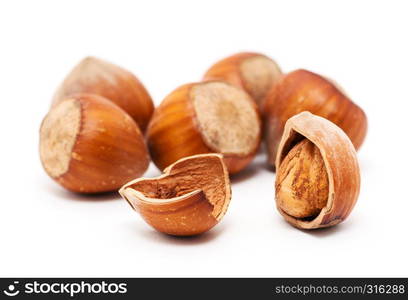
[(90, 145), (318, 177), (96, 76), (302, 90), (254, 72), (190, 197), (205, 117)]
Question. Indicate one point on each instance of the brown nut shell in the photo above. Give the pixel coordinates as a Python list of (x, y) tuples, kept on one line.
[(302, 90), (190, 197), (90, 145), (96, 76), (254, 72), (205, 117), (340, 162)]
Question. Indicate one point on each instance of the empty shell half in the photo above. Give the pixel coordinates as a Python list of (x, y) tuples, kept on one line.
[(190, 197)]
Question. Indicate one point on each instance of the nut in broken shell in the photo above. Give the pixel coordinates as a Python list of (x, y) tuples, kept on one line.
[(190, 197), (318, 177)]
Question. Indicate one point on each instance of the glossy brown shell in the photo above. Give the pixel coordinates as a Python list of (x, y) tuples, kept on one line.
[(109, 149), (96, 76), (229, 70), (186, 214), (302, 90), (173, 133)]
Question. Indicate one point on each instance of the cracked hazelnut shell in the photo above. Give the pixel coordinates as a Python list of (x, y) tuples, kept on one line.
[(96, 76), (205, 117), (190, 198), (318, 177), (90, 145), (254, 72), (302, 90)]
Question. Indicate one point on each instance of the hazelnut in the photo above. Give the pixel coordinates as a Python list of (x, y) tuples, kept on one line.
[(95, 76), (302, 186), (255, 73), (302, 90), (190, 197), (90, 145), (318, 177), (205, 117)]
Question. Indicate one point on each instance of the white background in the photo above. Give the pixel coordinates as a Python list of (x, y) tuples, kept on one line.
[(46, 231)]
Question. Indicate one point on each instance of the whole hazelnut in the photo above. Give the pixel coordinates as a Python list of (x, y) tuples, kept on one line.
[(96, 76), (205, 117), (254, 72), (90, 145), (302, 90)]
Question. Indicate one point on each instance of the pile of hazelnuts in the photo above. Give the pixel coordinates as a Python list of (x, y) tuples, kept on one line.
[(102, 130)]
